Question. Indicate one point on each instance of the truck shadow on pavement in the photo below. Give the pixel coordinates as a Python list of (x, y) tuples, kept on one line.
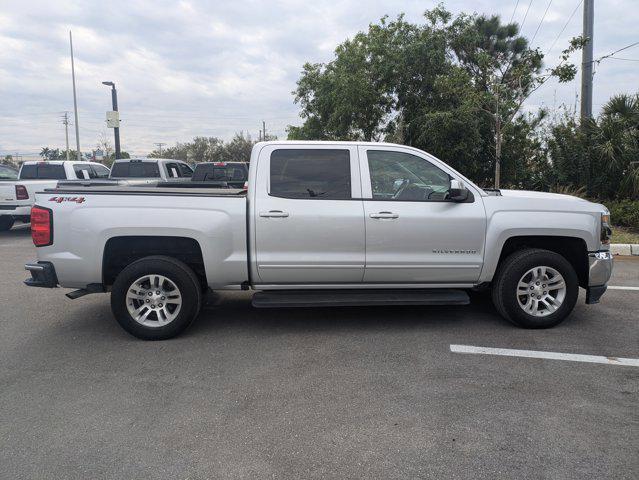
[(19, 230)]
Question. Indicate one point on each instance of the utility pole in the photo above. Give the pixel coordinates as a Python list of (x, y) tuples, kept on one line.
[(65, 121), (160, 144), (264, 130), (586, 60), (75, 103)]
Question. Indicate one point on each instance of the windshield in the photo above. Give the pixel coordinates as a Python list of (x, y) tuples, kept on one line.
[(7, 173)]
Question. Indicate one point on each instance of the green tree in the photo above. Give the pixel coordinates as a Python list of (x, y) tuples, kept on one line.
[(600, 155), (452, 86), (211, 149)]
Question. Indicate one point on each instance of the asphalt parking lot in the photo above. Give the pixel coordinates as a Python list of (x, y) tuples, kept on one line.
[(311, 393)]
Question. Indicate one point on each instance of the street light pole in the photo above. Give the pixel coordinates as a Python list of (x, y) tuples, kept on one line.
[(116, 130)]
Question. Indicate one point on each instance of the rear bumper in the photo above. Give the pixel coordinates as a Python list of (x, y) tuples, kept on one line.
[(15, 210), (599, 272), (42, 275)]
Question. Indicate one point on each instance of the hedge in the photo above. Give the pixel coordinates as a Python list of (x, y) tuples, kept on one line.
[(624, 213)]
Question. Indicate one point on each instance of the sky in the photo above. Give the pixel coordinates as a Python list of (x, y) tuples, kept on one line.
[(213, 68)]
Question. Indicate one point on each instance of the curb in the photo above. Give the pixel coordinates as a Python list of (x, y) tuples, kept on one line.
[(624, 249)]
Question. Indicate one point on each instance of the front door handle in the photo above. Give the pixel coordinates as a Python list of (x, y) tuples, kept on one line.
[(274, 214), (390, 215)]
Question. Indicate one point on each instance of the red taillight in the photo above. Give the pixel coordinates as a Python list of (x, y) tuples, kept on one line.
[(220, 164), (21, 192), (41, 226)]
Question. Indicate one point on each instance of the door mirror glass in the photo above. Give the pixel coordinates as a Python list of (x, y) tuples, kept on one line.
[(457, 191)]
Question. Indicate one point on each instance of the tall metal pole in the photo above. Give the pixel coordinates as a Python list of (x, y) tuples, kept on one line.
[(116, 130), (75, 103), (586, 60)]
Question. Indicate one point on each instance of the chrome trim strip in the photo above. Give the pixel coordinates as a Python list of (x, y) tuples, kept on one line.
[(423, 266), (297, 265)]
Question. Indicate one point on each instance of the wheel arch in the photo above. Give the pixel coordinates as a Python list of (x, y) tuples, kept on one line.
[(121, 251), (573, 249)]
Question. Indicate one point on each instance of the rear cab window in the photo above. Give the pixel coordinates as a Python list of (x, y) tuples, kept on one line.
[(135, 169), (321, 174), (42, 171)]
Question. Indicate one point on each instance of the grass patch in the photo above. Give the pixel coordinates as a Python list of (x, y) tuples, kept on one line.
[(625, 235)]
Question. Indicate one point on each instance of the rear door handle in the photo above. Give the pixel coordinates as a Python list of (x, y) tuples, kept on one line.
[(274, 214), (390, 215)]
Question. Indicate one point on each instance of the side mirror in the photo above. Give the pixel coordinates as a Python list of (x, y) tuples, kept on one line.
[(457, 191)]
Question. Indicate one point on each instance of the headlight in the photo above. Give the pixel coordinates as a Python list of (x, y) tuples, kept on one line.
[(606, 231)]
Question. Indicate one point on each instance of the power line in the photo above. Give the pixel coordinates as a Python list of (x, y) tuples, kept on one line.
[(564, 27), (615, 52), (625, 59), (160, 145), (521, 27), (541, 21), (514, 10)]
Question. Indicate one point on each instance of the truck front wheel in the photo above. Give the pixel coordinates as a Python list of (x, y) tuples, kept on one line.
[(535, 288), (156, 298)]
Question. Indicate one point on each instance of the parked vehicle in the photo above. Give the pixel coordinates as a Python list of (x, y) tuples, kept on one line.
[(234, 174), (139, 170), (323, 223), (8, 173), (17, 196)]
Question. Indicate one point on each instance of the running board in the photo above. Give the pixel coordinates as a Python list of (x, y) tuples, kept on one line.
[(356, 298)]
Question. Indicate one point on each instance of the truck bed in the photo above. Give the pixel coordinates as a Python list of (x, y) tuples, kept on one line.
[(88, 220)]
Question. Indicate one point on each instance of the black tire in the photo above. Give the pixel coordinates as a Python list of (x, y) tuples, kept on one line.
[(6, 222), (177, 272), (511, 270)]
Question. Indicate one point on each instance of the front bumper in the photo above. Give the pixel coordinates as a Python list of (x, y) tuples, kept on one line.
[(42, 275), (599, 272)]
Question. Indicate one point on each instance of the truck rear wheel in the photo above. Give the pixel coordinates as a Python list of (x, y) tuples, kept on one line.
[(6, 222), (156, 298), (535, 288)]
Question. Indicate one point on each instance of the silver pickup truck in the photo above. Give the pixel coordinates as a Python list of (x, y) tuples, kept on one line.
[(323, 224)]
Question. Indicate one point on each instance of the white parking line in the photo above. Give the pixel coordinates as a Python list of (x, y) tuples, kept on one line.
[(620, 287), (570, 357)]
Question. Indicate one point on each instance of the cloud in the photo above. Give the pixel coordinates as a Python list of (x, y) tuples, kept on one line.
[(197, 67)]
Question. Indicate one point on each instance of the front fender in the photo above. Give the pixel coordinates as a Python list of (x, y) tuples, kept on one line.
[(509, 224)]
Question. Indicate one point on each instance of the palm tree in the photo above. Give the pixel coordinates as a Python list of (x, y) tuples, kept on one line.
[(616, 141)]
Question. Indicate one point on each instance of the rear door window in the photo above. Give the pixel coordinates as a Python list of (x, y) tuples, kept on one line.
[(83, 172), (172, 170), (323, 174), (42, 171)]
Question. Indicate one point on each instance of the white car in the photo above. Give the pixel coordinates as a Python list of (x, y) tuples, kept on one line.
[(17, 197), (323, 223)]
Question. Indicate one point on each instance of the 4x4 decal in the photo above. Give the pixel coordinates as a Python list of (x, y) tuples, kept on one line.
[(67, 199)]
